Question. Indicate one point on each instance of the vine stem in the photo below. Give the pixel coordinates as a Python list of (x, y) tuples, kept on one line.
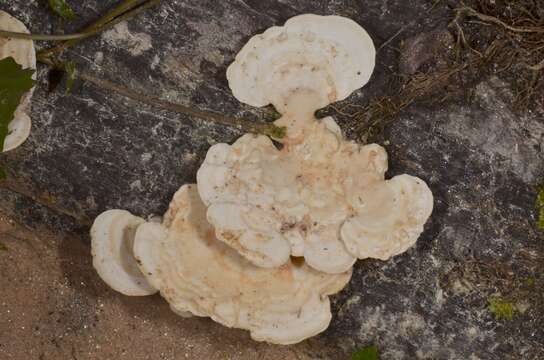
[(72, 39), (108, 21), (42, 37), (238, 123), (124, 11)]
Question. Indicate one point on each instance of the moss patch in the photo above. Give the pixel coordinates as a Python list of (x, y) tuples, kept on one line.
[(501, 308), (540, 208), (276, 132), (367, 353)]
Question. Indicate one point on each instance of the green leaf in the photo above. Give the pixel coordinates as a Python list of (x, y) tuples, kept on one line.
[(71, 73), (14, 83), (62, 9), (367, 353)]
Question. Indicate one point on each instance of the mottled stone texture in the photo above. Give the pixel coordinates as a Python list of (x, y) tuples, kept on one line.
[(93, 150)]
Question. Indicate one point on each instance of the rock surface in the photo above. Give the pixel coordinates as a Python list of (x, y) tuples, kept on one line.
[(92, 150)]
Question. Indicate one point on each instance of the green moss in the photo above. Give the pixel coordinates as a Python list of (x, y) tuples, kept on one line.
[(276, 132), (540, 208), (501, 308), (367, 353), (3, 247), (273, 114)]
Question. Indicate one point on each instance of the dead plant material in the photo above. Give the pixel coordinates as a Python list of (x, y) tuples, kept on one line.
[(519, 24), (504, 38), (369, 121), (482, 280)]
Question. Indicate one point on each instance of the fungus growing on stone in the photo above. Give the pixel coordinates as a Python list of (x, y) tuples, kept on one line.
[(268, 234), (112, 238), (23, 52), (198, 274), (320, 196)]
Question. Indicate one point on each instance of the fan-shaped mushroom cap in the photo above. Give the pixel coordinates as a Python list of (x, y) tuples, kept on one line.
[(269, 204), (390, 217), (326, 56), (24, 54), (112, 238), (197, 273)]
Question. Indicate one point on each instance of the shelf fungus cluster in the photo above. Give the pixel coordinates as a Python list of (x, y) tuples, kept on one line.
[(267, 234), (24, 54)]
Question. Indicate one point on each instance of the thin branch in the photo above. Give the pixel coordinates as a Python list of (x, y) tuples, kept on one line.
[(393, 37), (71, 39), (123, 12), (45, 202), (242, 124), (41, 37), (239, 123)]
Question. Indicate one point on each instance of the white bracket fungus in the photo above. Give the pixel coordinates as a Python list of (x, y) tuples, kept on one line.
[(268, 234), (24, 54), (112, 238), (198, 274), (320, 196)]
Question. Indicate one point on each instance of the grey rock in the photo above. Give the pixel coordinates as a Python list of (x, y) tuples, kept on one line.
[(94, 150)]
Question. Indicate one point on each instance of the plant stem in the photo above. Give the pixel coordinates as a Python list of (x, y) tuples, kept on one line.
[(123, 11), (126, 10), (241, 124), (15, 187), (43, 37)]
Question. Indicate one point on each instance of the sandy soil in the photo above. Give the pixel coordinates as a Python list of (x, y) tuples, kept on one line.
[(54, 306)]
